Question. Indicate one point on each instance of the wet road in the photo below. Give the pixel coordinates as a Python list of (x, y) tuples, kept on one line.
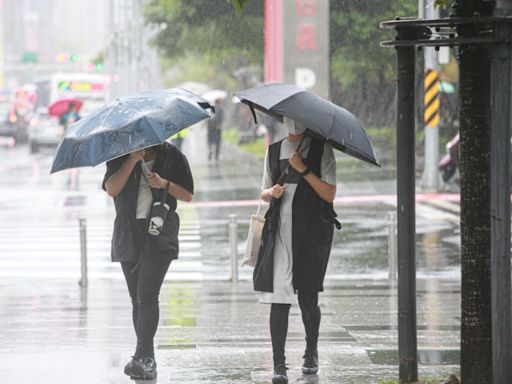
[(213, 332), (39, 218)]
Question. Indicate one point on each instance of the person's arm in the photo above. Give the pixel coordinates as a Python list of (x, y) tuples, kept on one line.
[(267, 189), (115, 184), (324, 190), (275, 191), (175, 190)]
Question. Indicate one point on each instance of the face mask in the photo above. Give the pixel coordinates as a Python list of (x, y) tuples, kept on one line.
[(292, 127)]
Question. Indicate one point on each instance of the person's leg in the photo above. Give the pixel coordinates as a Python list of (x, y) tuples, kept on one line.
[(217, 144), (131, 282), (311, 316), (278, 329), (152, 270)]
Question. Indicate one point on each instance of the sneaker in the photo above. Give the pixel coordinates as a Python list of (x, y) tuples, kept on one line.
[(129, 368), (279, 376), (310, 365), (144, 369)]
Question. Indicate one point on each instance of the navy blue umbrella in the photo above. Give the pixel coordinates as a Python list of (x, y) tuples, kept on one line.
[(128, 124), (323, 118)]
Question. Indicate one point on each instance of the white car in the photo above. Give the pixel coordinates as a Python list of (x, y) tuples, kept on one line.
[(44, 131)]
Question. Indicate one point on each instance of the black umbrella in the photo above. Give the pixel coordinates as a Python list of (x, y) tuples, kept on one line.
[(323, 119)]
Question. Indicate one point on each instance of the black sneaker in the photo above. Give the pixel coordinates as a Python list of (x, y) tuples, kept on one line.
[(129, 368), (144, 369), (279, 376), (310, 365)]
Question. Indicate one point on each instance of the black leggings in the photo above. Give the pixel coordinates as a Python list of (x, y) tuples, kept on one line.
[(311, 316), (144, 287)]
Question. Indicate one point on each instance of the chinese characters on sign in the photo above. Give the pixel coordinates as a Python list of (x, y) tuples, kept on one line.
[(297, 43)]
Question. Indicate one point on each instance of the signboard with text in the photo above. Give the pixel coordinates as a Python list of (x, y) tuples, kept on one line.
[(297, 43)]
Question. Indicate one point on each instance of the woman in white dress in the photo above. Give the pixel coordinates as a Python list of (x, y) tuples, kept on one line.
[(302, 240)]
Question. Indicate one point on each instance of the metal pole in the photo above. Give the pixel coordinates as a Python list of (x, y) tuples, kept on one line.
[(83, 252), (233, 241), (500, 208), (432, 106), (392, 261), (407, 338)]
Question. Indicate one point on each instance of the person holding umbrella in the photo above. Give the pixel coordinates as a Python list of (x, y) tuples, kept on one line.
[(132, 180), (146, 176), (306, 192), (299, 181)]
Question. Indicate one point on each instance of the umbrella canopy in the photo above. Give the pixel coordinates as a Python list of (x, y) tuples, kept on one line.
[(61, 106), (128, 124), (323, 119)]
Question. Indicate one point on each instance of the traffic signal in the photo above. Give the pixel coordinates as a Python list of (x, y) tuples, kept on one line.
[(99, 66), (73, 57)]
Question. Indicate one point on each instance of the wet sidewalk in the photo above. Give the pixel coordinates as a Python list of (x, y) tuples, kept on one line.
[(216, 332)]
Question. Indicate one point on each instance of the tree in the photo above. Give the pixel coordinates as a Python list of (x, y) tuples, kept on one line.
[(475, 128), (210, 31), (362, 74)]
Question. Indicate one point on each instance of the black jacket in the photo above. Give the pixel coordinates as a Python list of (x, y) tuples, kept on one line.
[(312, 229), (170, 164)]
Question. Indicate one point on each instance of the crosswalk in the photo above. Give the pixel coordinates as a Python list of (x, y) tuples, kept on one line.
[(54, 252)]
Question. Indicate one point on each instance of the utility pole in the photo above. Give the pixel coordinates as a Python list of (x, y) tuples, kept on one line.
[(430, 179)]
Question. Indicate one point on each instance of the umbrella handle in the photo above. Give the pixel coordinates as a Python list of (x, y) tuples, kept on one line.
[(279, 181)]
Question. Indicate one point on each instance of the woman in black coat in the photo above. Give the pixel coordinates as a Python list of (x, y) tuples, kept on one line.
[(146, 258), (299, 181)]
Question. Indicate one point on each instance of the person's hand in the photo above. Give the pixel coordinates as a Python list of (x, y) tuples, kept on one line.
[(137, 155), (277, 191), (296, 162), (155, 181)]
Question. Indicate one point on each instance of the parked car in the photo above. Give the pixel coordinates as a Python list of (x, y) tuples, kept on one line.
[(9, 124), (44, 131)]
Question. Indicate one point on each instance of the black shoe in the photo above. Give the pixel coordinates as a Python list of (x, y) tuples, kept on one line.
[(279, 376), (144, 369), (310, 365), (129, 368)]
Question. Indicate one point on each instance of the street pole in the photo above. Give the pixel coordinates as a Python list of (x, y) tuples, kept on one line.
[(431, 119), (500, 207), (407, 338)]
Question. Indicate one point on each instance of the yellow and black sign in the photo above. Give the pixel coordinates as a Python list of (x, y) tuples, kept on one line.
[(431, 99)]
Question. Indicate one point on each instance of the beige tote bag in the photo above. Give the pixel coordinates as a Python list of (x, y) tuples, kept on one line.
[(254, 238)]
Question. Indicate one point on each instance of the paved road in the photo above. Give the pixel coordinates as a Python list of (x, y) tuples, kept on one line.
[(212, 331)]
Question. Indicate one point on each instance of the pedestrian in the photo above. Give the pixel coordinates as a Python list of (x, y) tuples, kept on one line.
[(215, 131), (70, 117), (302, 240), (138, 182)]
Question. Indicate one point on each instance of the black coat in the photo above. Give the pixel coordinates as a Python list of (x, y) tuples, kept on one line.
[(312, 229), (170, 164)]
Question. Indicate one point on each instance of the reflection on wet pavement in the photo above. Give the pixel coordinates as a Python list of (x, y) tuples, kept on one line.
[(211, 331), (205, 339)]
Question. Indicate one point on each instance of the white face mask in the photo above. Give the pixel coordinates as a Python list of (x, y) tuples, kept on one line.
[(292, 127)]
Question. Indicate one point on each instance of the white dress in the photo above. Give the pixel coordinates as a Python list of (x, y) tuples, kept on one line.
[(283, 292)]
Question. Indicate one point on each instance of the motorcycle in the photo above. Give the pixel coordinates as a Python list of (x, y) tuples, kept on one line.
[(450, 162)]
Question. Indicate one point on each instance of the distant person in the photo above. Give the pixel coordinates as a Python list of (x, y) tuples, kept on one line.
[(70, 117), (302, 239), (137, 183), (215, 131)]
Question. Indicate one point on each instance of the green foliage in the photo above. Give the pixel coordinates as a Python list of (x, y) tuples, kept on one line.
[(255, 148), (239, 4), (440, 3), (362, 73), (208, 29)]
